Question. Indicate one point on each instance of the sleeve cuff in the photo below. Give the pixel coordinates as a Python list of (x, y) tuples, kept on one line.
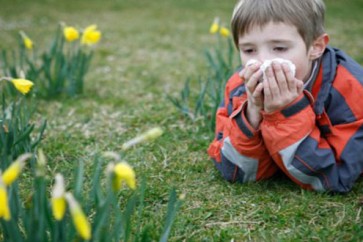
[(292, 109), (242, 122)]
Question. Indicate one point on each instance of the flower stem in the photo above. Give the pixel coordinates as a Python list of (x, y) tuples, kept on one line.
[(5, 78)]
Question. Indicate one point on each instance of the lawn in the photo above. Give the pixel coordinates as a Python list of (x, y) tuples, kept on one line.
[(148, 50)]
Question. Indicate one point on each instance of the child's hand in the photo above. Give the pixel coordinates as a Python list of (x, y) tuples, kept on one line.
[(280, 87), (251, 75)]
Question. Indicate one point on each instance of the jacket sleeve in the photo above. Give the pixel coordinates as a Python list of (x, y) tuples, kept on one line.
[(312, 151), (238, 150)]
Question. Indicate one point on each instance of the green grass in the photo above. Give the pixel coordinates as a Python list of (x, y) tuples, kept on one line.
[(149, 48)]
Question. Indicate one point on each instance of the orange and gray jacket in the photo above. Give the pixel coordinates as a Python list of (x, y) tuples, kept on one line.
[(317, 141)]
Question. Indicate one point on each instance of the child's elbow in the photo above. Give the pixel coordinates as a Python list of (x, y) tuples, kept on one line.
[(229, 171), (228, 177)]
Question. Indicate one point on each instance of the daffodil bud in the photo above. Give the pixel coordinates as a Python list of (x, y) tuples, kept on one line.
[(215, 26), (28, 43), (80, 221), (153, 133), (147, 136), (22, 85), (58, 198), (123, 172), (4, 204), (13, 171)]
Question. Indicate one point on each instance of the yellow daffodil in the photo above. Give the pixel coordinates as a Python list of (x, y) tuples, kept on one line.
[(123, 172), (90, 35), (4, 204), (70, 33), (147, 136), (28, 43), (22, 85), (58, 198), (214, 27), (80, 221), (224, 32), (13, 171)]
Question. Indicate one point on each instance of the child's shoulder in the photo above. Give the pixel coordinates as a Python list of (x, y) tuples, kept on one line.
[(340, 65), (346, 61), (234, 81)]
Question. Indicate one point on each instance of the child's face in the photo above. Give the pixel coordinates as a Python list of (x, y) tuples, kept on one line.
[(276, 40)]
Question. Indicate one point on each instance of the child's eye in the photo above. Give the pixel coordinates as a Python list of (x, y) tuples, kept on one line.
[(280, 49), (248, 51)]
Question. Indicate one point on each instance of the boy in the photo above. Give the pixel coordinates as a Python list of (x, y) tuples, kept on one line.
[(309, 125)]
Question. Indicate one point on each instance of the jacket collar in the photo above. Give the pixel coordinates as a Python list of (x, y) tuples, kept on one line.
[(325, 78)]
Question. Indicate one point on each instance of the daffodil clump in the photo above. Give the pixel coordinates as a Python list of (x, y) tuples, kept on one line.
[(59, 70), (72, 52), (222, 61), (217, 27), (80, 212), (60, 199), (89, 36)]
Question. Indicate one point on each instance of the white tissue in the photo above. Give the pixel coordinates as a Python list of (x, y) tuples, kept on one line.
[(268, 63), (251, 62)]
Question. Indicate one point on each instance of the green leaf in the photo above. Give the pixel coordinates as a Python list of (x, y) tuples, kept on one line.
[(173, 207), (79, 181)]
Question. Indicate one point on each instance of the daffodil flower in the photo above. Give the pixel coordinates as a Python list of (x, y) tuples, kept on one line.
[(4, 204), (22, 85), (28, 43), (90, 35), (123, 172), (215, 26), (147, 136), (224, 32), (80, 221), (70, 33), (13, 171), (58, 198)]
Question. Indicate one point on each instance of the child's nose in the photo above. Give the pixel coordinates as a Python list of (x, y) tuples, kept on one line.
[(263, 56)]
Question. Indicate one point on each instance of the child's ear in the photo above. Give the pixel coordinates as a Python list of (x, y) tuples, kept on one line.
[(318, 46)]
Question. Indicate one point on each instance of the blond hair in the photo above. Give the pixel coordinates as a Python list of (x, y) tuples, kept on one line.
[(306, 15)]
